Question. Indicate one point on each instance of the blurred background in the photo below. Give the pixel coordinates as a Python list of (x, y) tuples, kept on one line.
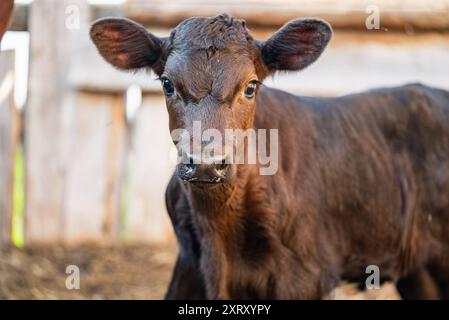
[(85, 150)]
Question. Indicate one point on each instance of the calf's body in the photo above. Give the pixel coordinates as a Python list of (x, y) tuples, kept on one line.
[(363, 180)]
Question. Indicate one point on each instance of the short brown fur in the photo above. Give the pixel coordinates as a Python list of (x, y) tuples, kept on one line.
[(363, 179)]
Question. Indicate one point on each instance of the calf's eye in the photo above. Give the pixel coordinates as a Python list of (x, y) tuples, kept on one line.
[(169, 90), (250, 89)]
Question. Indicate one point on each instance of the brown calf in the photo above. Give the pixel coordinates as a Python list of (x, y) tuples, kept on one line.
[(6, 8), (362, 179)]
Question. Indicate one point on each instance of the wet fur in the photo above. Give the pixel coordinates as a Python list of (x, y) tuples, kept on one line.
[(363, 179)]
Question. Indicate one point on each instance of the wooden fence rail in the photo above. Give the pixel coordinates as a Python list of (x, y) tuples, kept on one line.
[(342, 14)]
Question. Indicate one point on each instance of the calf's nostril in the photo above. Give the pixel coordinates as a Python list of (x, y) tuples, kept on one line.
[(188, 168), (223, 165)]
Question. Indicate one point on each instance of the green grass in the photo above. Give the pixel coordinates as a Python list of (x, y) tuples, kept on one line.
[(18, 199), (124, 203)]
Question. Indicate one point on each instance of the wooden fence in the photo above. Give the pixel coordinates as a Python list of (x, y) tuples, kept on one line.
[(89, 173), (92, 173), (8, 143)]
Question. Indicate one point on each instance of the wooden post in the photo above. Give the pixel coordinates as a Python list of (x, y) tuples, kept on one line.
[(47, 114), (73, 139), (93, 167), (8, 143), (151, 170)]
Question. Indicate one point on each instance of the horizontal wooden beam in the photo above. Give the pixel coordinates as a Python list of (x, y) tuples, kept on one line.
[(347, 14), (406, 15)]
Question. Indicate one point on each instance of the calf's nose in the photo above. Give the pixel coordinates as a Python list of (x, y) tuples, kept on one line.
[(204, 172)]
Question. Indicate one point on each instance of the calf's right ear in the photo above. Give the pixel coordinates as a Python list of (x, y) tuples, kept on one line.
[(128, 45)]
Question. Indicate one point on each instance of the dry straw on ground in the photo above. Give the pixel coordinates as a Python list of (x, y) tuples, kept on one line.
[(123, 271)]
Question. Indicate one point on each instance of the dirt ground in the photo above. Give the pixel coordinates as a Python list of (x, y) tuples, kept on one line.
[(122, 271)]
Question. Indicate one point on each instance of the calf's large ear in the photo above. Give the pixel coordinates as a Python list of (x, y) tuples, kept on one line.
[(127, 45), (296, 45)]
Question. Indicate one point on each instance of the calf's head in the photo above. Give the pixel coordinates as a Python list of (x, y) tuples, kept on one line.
[(210, 70)]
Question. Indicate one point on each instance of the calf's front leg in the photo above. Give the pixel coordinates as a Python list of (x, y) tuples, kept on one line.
[(186, 282)]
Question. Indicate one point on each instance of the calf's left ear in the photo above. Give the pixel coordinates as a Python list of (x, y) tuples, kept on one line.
[(127, 45), (296, 45)]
